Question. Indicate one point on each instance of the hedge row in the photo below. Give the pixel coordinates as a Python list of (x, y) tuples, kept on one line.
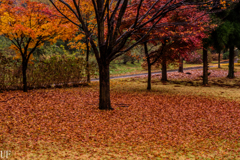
[(57, 70)]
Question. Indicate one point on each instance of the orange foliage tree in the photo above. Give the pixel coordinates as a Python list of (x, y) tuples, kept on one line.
[(81, 41), (28, 25)]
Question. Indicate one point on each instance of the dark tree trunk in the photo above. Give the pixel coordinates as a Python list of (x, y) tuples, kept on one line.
[(149, 75), (231, 63), (24, 73), (164, 68), (87, 65), (149, 67), (180, 69), (132, 60), (219, 59), (125, 59), (225, 50), (205, 67), (104, 98)]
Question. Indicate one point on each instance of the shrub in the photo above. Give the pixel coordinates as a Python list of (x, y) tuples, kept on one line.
[(57, 69), (194, 58), (215, 57), (210, 57), (226, 55)]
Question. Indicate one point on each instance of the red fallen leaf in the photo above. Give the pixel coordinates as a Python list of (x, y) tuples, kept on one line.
[(62, 114)]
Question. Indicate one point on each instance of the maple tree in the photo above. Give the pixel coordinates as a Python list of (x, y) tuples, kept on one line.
[(183, 35), (81, 41), (109, 17), (28, 25)]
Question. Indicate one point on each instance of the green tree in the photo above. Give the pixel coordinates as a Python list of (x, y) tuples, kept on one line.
[(227, 35)]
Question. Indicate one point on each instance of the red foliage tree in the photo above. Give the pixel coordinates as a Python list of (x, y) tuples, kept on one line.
[(178, 33)]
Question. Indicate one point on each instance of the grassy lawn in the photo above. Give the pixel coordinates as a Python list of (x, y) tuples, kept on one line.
[(117, 69), (136, 68), (172, 121)]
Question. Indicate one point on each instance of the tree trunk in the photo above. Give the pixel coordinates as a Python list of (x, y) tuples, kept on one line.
[(149, 87), (87, 65), (149, 66), (231, 63), (132, 60), (24, 73), (125, 59), (104, 98), (180, 69), (205, 67), (219, 59), (164, 69)]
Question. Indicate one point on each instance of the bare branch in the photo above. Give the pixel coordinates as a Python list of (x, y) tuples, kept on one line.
[(63, 13)]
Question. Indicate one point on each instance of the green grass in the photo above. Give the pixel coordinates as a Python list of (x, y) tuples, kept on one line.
[(216, 62), (117, 69), (121, 69)]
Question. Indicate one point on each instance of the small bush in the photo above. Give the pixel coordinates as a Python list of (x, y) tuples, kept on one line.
[(210, 57), (215, 57), (194, 58), (226, 55)]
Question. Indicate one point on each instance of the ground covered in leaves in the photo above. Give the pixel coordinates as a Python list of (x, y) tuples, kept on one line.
[(66, 124), (194, 77)]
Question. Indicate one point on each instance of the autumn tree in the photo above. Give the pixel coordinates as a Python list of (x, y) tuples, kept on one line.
[(182, 35), (81, 41), (109, 16), (28, 25)]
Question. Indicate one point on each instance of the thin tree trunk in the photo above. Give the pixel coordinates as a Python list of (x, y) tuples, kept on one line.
[(219, 59), (180, 69), (164, 68), (132, 60), (231, 63), (149, 66), (104, 98), (205, 66), (125, 59), (24, 73), (149, 87), (87, 65)]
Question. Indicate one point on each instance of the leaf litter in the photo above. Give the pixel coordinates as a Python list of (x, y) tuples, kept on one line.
[(141, 125)]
